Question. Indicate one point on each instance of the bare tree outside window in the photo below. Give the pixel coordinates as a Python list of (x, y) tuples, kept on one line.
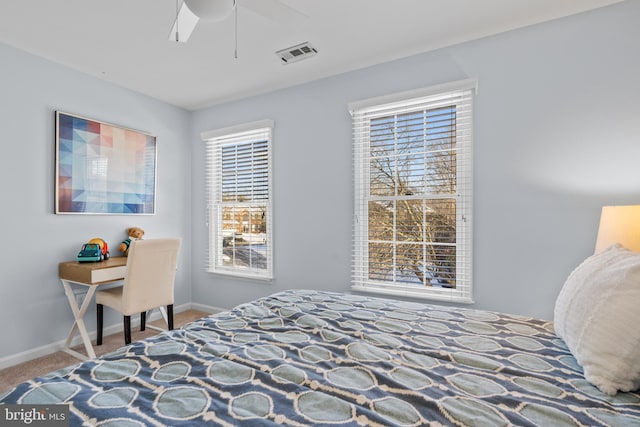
[(413, 179), (412, 201)]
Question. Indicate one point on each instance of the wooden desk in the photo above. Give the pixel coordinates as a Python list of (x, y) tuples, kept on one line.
[(89, 274)]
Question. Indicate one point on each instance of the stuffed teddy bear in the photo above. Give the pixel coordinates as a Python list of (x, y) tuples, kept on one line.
[(134, 233)]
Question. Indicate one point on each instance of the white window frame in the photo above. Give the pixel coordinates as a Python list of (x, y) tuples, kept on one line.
[(460, 93), (214, 141)]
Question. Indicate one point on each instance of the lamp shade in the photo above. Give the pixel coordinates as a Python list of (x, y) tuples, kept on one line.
[(619, 224)]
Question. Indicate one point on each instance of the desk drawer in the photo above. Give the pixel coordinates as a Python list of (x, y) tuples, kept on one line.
[(93, 273), (108, 274)]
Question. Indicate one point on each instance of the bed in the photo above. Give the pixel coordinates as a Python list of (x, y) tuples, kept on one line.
[(304, 357)]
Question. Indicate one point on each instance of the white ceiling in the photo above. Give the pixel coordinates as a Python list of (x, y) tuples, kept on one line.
[(126, 41)]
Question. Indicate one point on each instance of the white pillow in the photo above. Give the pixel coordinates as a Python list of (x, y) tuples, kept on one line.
[(597, 314)]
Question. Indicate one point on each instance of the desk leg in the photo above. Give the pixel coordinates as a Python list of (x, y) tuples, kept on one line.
[(163, 313), (78, 314)]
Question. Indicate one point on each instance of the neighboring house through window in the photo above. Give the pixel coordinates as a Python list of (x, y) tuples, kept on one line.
[(238, 167), (413, 195)]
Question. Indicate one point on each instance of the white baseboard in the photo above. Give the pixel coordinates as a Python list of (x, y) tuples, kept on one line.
[(47, 349), (207, 308)]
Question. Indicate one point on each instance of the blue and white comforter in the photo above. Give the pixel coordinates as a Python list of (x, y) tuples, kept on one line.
[(317, 358)]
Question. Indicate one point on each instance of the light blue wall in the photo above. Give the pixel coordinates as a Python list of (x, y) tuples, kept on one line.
[(557, 136), (33, 308)]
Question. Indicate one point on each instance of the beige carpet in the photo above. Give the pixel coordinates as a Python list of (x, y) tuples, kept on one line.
[(14, 375)]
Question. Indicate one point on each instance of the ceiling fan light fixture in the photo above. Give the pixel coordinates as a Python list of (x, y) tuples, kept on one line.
[(211, 10)]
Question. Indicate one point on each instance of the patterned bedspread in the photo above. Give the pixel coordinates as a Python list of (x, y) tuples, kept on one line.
[(316, 358)]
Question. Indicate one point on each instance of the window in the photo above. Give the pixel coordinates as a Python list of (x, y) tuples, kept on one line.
[(413, 198), (238, 163)]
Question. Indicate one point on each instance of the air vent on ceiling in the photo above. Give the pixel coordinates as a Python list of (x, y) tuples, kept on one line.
[(296, 53)]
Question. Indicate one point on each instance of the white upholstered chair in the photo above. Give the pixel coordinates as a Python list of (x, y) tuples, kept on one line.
[(148, 284)]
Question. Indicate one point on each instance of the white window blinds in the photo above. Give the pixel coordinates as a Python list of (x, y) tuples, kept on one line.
[(413, 193), (238, 162)]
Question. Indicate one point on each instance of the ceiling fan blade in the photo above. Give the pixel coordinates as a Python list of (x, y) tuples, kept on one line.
[(275, 10), (183, 25)]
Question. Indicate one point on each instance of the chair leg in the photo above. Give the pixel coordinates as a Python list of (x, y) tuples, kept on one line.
[(143, 320), (99, 312), (170, 317), (127, 330)]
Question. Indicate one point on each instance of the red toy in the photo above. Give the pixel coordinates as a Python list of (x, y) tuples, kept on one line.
[(104, 248)]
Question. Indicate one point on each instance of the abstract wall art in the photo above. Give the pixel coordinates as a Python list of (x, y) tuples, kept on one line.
[(102, 168)]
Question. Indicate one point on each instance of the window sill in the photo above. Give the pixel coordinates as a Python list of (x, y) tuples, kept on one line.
[(238, 275), (430, 294)]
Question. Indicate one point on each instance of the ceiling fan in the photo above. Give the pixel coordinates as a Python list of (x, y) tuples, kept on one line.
[(190, 12)]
